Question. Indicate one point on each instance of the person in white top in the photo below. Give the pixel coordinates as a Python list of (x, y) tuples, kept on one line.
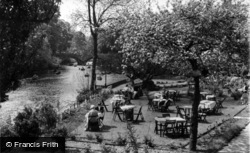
[(93, 115)]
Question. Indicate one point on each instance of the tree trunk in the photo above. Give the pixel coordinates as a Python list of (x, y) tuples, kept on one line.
[(195, 105), (194, 118), (93, 76)]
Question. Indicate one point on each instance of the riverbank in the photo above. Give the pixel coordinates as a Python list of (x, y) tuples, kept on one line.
[(60, 90)]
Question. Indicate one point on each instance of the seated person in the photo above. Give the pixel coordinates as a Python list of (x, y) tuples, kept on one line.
[(92, 119)]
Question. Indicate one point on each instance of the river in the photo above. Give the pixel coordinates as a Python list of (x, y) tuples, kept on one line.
[(59, 90)]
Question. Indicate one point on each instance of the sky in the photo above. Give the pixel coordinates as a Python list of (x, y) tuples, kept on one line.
[(69, 6)]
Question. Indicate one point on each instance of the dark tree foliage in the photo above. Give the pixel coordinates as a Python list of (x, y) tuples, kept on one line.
[(18, 18)]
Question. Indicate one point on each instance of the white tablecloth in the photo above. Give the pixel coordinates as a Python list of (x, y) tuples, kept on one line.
[(164, 119), (171, 91), (127, 107), (210, 97), (158, 95), (207, 104), (115, 99)]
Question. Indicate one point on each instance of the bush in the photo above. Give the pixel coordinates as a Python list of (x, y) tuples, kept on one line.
[(99, 138), (80, 98), (47, 116), (89, 136), (26, 124), (148, 141), (149, 85), (60, 132), (7, 131), (106, 149), (83, 95), (121, 141), (236, 95), (106, 93)]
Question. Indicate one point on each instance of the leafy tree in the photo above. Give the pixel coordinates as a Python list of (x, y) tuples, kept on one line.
[(79, 43), (59, 35), (99, 13), (17, 20), (193, 37)]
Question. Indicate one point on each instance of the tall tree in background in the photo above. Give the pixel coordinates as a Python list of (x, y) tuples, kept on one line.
[(193, 37), (99, 14), (17, 20), (59, 35)]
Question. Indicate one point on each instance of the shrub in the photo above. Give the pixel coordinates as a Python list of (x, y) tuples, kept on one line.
[(121, 141), (99, 138), (60, 132), (80, 98), (132, 139), (26, 124), (7, 131), (46, 116), (89, 136), (106, 93), (148, 141), (236, 95), (106, 149), (88, 149), (83, 95)]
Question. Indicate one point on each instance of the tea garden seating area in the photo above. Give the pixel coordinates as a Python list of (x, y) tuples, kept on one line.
[(162, 115)]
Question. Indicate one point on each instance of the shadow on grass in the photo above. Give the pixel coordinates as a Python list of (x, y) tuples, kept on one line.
[(107, 128)]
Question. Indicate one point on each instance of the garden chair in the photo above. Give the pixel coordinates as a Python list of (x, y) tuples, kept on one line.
[(166, 95), (160, 105), (151, 105), (102, 103), (187, 126), (117, 112), (202, 114), (164, 108), (158, 128), (101, 118), (169, 127), (220, 100), (139, 113), (217, 109), (178, 95), (181, 112)]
